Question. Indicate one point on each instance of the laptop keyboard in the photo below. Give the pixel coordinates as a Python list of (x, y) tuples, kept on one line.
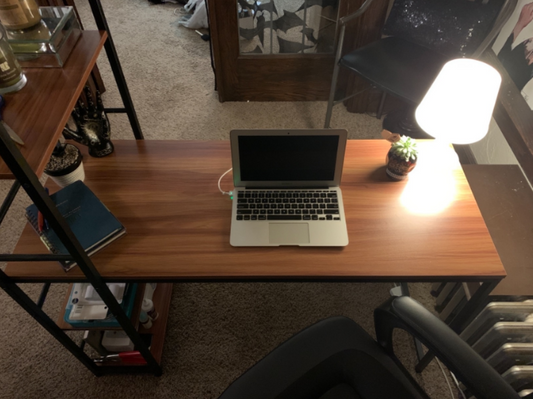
[(288, 205)]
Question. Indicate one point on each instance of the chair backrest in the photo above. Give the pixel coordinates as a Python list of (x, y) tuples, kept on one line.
[(455, 28)]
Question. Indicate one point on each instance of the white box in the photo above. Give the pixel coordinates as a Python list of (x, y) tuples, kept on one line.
[(117, 341)]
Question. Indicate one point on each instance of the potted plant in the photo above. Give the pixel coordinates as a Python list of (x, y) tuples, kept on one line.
[(65, 165), (402, 158)]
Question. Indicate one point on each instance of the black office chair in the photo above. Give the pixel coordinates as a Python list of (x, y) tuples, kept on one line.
[(422, 35), (337, 359)]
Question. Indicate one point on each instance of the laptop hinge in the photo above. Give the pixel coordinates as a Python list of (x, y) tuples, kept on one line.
[(287, 188)]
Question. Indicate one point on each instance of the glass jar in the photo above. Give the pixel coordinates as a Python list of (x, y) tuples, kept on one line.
[(29, 43), (11, 76), (19, 14)]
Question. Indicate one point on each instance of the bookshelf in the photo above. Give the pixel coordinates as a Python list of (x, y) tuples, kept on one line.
[(38, 113), (161, 299)]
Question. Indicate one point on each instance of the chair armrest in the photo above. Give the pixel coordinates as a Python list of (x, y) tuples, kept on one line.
[(470, 368), (350, 17)]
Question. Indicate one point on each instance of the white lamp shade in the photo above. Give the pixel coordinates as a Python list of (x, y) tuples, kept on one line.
[(459, 104)]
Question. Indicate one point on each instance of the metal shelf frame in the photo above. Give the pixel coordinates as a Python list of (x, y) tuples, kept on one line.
[(28, 180), (101, 23)]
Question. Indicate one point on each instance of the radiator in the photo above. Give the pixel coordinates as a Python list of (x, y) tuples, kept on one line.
[(502, 334)]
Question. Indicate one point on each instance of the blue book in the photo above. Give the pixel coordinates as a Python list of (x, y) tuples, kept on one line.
[(91, 222)]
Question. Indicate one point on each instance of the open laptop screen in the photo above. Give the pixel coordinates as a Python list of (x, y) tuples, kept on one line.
[(288, 158), (292, 158)]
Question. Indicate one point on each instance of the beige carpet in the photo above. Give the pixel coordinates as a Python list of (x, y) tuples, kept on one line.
[(215, 331)]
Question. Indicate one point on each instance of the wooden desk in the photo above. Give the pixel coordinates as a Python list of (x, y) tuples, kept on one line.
[(178, 223), (505, 199)]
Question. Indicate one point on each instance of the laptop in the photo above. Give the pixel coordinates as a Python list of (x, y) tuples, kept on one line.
[(287, 188)]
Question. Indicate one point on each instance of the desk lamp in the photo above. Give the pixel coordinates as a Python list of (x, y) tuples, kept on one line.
[(459, 104), (457, 109)]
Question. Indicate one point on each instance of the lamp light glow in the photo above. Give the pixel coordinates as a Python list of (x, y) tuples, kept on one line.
[(459, 104)]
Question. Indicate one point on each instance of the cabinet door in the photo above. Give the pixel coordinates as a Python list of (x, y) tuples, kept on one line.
[(282, 50)]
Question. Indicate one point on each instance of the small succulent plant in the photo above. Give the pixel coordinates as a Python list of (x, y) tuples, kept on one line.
[(405, 148)]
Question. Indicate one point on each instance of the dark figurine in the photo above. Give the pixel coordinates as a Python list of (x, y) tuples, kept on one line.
[(92, 126)]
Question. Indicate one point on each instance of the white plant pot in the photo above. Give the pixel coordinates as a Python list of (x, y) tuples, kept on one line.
[(67, 167), (69, 178)]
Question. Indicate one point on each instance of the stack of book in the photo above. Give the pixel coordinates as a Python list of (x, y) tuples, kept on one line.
[(92, 223)]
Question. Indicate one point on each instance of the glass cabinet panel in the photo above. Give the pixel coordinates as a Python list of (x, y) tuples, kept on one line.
[(287, 26)]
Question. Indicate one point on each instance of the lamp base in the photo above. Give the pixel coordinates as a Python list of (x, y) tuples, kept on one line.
[(403, 122)]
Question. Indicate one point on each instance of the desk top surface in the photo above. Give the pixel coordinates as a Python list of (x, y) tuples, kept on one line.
[(165, 193)]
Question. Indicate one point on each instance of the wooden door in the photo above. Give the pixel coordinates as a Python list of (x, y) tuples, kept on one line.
[(305, 75)]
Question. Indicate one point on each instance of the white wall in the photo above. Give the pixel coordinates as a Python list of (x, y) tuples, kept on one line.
[(493, 149)]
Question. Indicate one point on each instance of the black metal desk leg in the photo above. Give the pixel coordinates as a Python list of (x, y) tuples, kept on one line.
[(465, 316), (42, 318), (111, 52), (473, 306), (9, 200)]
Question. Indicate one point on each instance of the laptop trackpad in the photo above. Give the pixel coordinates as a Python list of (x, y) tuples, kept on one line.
[(288, 233)]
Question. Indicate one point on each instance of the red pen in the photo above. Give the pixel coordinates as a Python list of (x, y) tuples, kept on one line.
[(43, 224), (40, 221)]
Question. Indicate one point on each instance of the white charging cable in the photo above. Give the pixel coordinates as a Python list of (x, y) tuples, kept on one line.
[(457, 384), (446, 378), (230, 193)]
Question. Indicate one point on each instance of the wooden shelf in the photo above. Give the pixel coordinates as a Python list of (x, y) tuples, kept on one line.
[(161, 299), (134, 314), (38, 113)]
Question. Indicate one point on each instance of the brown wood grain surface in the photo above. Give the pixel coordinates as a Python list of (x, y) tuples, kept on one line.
[(178, 223), (161, 298), (286, 77), (262, 77), (505, 200), (38, 113)]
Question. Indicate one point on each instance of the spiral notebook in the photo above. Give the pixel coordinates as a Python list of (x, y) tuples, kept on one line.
[(92, 223)]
